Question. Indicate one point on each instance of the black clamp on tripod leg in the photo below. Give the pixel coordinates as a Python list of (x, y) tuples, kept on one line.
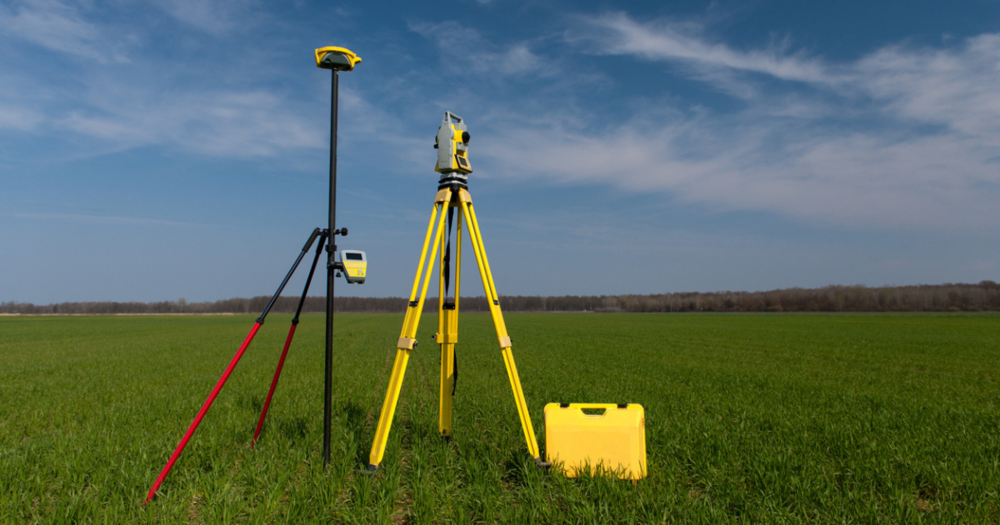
[(291, 331)]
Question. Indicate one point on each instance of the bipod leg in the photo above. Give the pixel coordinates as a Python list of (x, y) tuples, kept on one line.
[(288, 341), (407, 338), (229, 370), (493, 300)]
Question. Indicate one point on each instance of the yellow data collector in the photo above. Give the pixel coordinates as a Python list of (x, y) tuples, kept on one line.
[(608, 437), (355, 265)]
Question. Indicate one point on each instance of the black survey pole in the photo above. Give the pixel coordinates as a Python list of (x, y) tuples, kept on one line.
[(331, 248), (335, 59)]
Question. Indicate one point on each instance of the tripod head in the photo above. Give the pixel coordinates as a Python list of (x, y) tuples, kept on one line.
[(452, 143)]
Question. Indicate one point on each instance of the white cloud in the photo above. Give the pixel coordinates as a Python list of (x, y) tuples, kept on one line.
[(618, 34), (956, 87), (953, 87), (230, 123), (857, 179), (371, 124), (901, 138), (132, 110), (58, 27), (463, 49), (211, 16), (19, 118), (128, 104)]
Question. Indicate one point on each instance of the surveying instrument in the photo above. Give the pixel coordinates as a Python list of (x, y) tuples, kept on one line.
[(452, 199), (352, 264)]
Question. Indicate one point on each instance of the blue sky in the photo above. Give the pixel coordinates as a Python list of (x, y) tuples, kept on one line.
[(157, 150)]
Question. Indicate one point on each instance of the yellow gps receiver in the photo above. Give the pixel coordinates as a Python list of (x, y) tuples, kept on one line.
[(339, 58), (452, 143), (355, 265)]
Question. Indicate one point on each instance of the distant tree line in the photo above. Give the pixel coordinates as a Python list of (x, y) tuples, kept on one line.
[(984, 296)]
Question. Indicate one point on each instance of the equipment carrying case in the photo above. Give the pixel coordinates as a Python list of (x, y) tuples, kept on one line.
[(611, 442)]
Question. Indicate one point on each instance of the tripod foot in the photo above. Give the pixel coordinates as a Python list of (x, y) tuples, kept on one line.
[(543, 465), (371, 470)]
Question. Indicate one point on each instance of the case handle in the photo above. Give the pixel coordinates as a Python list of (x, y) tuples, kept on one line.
[(593, 406)]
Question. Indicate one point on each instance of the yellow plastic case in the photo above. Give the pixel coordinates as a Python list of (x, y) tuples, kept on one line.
[(615, 440)]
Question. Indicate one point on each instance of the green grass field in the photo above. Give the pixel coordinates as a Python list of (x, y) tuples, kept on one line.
[(749, 419)]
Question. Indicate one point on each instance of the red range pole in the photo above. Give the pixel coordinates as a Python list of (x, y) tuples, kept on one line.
[(201, 413)]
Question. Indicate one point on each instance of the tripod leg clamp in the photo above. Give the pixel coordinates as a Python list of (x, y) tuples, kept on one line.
[(446, 338), (505, 342), (406, 343)]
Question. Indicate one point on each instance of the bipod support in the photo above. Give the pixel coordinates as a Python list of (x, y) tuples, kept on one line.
[(291, 333), (229, 370)]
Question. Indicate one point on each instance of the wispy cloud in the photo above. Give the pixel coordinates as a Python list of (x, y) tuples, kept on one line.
[(465, 49), (126, 104), (19, 118), (370, 123), (619, 34), (228, 123), (58, 27), (953, 87), (731, 164), (211, 16), (901, 138)]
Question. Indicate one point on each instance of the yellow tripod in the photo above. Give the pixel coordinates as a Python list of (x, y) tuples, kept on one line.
[(449, 196)]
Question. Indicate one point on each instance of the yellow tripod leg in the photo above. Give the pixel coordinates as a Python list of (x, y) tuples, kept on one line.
[(494, 303), (447, 336), (407, 338)]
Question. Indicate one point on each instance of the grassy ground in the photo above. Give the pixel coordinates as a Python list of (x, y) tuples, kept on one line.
[(749, 418)]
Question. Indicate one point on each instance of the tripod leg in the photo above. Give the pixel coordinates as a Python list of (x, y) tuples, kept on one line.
[(288, 341), (447, 336), (493, 300), (407, 339)]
